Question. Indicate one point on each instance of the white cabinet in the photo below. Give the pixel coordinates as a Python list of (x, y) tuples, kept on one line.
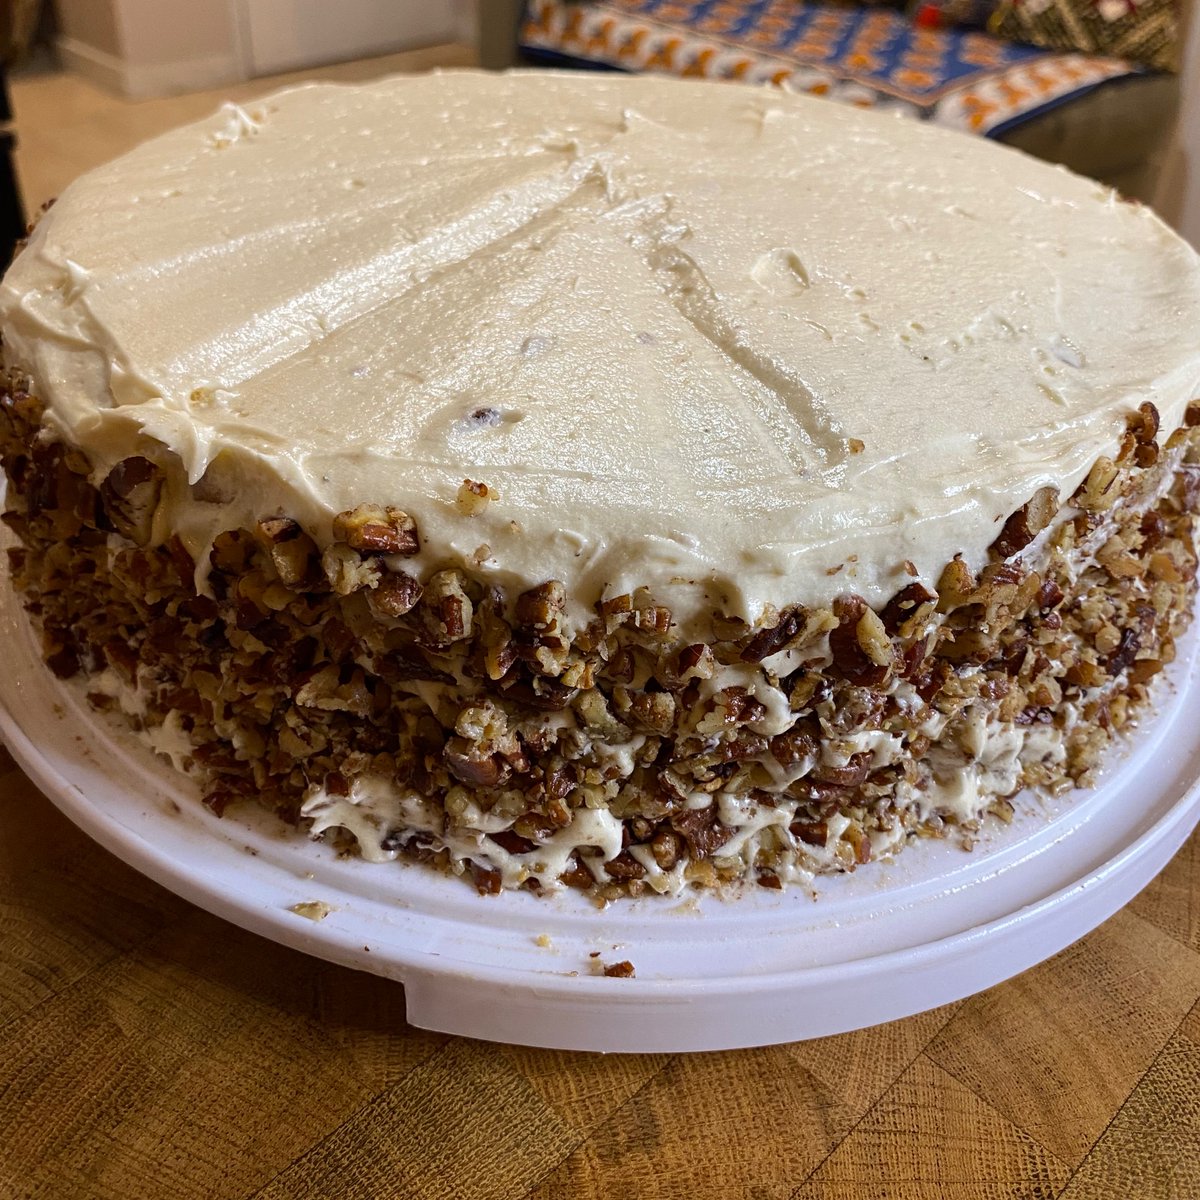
[(286, 35), (156, 47)]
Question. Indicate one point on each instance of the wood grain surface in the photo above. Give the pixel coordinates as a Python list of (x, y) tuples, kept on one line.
[(149, 1051)]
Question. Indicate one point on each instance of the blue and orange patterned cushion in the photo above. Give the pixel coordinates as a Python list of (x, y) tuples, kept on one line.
[(872, 57)]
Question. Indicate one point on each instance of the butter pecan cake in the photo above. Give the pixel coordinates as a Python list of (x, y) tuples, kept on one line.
[(610, 482)]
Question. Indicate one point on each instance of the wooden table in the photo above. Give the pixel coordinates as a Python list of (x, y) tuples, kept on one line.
[(149, 1051)]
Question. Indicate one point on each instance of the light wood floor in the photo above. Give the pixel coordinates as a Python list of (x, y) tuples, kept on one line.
[(66, 125)]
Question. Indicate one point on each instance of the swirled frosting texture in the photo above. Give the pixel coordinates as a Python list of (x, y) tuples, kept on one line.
[(744, 347)]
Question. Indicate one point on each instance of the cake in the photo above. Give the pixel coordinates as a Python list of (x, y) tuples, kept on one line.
[(611, 482)]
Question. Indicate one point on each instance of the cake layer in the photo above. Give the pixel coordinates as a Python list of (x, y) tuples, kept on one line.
[(739, 347)]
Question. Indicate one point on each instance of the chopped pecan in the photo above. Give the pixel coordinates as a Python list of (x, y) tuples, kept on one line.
[(230, 553), (653, 619), (1034, 715), (1145, 669), (576, 875), (1189, 480), (540, 692), (731, 706), (1027, 522), (557, 813), (122, 658), (488, 881), (1049, 596), (1126, 651), (272, 531), (396, 593), (966, 645), (467, 764), (293, 553), (855, 771), (559, 783), (1144, 424), (295, 562), (745, 745), (446, 608), (545, 652), (701, 829), (339, 640), (542, 605), (371, 529), (956, 585), (498, 652), (625, 866), (859, 843), (695, 662), (873, 639), (219, 799), (1115, 558), (812, 833), (1005, 588), (846, 647), (64, 661), (579, 674), (905, 604), (336, 784), (346, 571), (808, 689), (130, 494), (770, 641), (513, 842), (535, 826), (1162, 566), (793, 746), (1099, 490), (325, 689), (1085, 674), (1153, 530), (617, 606), (671, 790), (651, 710), (666, 847), (912, 660), (181, 559), (407, 665), (1126, 450), (473, 498), (622, 666)]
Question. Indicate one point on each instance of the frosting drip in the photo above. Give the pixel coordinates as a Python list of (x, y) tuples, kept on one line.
[(744, 347)]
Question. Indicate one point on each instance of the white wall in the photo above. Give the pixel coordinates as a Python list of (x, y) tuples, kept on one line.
[(286, 35), (150, 47), (1178, 198), (146, 48)]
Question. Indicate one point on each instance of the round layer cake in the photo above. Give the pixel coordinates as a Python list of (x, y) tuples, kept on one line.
[(608, 481)]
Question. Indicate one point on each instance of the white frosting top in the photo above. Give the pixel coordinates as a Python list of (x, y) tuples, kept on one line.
[(715, 339)]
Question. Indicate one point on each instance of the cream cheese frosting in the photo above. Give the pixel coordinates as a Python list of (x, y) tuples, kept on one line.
[(743, 347)]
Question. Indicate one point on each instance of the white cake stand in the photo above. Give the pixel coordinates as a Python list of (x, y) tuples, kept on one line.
[(711, 973)]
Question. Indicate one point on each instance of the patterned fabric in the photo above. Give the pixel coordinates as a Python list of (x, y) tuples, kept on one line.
[(1146, 31), (871, 57)]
